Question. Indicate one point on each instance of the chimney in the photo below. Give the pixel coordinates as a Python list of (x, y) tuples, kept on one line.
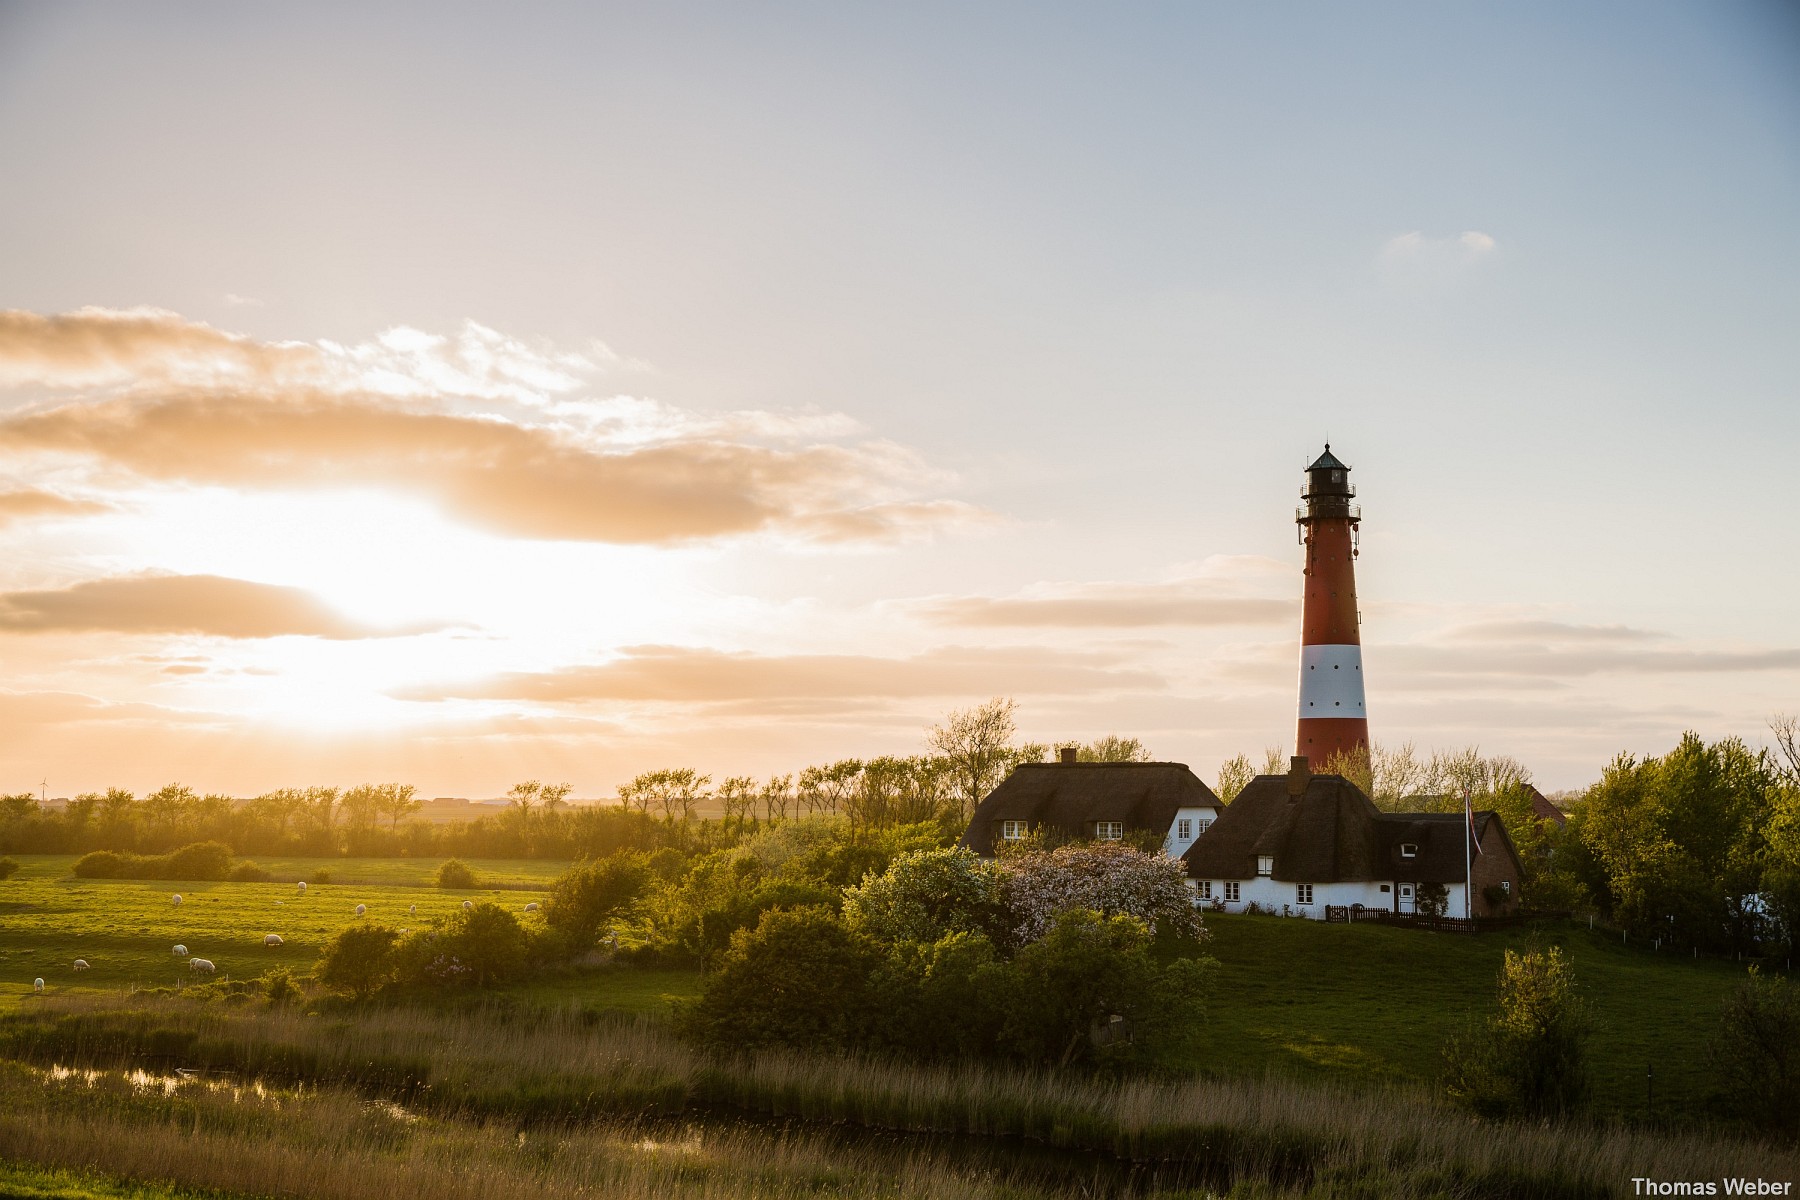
[(1299, 775), (1070, 755)]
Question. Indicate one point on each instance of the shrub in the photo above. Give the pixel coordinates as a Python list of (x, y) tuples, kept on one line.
[(592, 895), (359, 961), (800, 978), (1432, 899), (199, 860), (1090, 990), (280, 986), (1529, 1058), (479, 946), (8, 868), (320, 876), (927, 895), (1756, 1055), (456, 875), (1102, 877), (248, 872), (104, 864)]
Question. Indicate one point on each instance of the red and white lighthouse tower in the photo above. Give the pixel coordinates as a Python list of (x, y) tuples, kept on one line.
[(1334, 720)]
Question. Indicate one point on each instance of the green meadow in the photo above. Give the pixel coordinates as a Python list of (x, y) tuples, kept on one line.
[(125, 929)]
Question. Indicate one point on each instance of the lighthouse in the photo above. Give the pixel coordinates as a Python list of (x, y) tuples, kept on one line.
[(1334, 720)]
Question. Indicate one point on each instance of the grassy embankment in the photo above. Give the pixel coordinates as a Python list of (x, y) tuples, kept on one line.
[(552, 1076)]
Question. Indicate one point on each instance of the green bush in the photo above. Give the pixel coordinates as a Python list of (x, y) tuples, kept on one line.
[(1530, 1058), (1756, 1056), (105, 864), (800, 978), (479, 946), (456, 875), (359, 961), (200, 860), (590, 897), (320, 876), (248, 872), (926, 895), (8, 868)]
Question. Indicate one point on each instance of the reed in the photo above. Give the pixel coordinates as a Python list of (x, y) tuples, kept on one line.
[(554, 1067)]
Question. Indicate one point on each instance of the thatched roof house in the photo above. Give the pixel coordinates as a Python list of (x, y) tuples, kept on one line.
[(1105, 800)]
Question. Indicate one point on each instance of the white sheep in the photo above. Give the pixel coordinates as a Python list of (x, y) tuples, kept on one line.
[(301, 887), (361, 909), (468, 906), (37, 985), (177, 899), (412, 910), (273, 939), (81, 964), (180, 951), (201, 966), (532, 907)]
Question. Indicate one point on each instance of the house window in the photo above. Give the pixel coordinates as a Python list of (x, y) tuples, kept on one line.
[(1506, 886), (1184, 829), (1265, 865), (1231, 889), (1384, 887), (1014, 831), (1303, 893), (1204, 888), (1409, 850), (1109, 831), (1205, 824)]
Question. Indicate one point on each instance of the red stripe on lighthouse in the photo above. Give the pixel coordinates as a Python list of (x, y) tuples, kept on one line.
[(1333, 711)]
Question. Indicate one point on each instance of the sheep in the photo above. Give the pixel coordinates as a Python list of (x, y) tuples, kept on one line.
[(273, 939), (37, 985), (177, 899), (201, 966), (301, 887), (532, 907), (412, 910), (81, 964), (361, 909), (180, 951), (468, 906)]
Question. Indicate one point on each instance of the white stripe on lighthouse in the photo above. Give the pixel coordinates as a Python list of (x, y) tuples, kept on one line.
[(1331, 681)]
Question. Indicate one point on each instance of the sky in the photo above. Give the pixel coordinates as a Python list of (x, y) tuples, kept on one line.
[(458, 394)]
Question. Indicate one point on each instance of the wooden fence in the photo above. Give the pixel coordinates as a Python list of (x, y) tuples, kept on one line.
[(1382, 916)]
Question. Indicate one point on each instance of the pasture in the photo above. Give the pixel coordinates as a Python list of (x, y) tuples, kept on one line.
[(124, 928)]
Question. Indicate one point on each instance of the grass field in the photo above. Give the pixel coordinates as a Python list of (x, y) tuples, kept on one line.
[(125, 928), (1342, 1001)]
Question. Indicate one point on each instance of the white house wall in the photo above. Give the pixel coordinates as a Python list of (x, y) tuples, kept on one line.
[(1282, 898), (1174, 845)]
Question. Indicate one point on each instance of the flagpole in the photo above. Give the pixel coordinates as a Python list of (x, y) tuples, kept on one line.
[(1468, 857)]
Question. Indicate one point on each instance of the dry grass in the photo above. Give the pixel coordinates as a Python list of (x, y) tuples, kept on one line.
[(552, 1068)]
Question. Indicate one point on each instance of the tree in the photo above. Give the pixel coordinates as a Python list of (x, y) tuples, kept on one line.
[(1235, 775), (738, 796), (975, 741), (360, 960), (554, 796), (1530, 1057), (592, 895), (1104, 877), (1756, 1055), (801, 978), (168, 811), (927, 895), (397, 802), (361, 807), (777, 795), (1113, 748), (523, 796)]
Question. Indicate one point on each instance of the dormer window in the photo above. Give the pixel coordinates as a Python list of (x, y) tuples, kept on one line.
[(1109, 831), (1184, 829), (1014, 831), (1265, 865), (1409, 850)]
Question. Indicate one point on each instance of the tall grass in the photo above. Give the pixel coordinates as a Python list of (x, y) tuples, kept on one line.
[(335, 1145), (551, 1067)]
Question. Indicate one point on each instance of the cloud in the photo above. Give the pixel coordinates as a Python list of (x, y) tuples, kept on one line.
[(208, 605), (689, 674), (1419, 254), (1207, 595), (1524, 660), (182, 403), (108, 347), (1548, 631), (24, 505)]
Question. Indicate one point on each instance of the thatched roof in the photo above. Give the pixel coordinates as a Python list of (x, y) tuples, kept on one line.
[(1322, 829), (1069, 797)]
